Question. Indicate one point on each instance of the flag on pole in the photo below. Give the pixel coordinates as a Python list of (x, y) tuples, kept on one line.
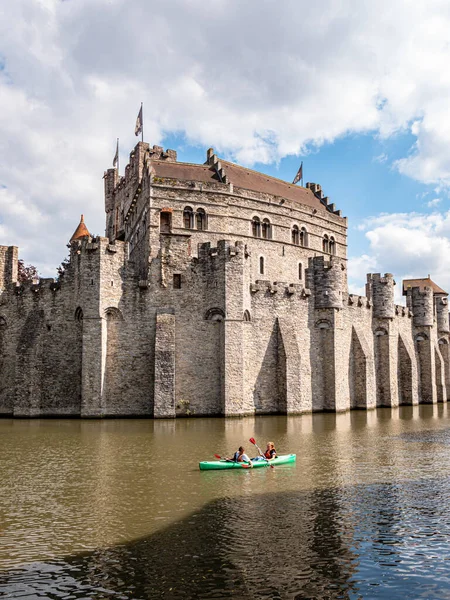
[(299, 175), (116, 155), (138, 128)]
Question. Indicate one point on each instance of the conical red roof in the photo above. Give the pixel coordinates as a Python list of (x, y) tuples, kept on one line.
[(80, 231)]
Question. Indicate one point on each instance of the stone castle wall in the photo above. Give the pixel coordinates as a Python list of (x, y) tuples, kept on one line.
[(161, 320)]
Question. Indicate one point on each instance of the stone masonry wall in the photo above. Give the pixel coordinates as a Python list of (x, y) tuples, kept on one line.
[(169, 322)]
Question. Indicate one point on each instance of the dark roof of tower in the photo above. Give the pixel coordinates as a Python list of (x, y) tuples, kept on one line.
[(80, 231), (240, 177), (422, 283)]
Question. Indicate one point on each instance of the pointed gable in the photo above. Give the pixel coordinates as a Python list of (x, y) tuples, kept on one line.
[(422, 283)]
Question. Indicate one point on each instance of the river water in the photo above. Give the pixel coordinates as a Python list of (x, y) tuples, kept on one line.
[(119, 509)]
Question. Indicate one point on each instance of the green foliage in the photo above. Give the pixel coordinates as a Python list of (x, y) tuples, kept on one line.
[(63, 268)]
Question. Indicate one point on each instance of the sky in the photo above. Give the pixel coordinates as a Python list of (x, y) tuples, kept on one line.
[(358, 90)]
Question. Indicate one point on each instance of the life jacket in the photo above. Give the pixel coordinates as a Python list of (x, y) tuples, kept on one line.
[(236, 456), (268, 453)]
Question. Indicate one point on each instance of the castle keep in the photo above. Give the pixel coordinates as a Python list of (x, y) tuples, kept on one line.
[(216, 290)]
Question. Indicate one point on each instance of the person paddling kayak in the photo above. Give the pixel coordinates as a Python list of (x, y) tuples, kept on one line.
[(240, 456), (269, 454)]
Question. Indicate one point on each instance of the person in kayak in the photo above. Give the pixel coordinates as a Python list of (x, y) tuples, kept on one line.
[(240, 456), (269, 454)]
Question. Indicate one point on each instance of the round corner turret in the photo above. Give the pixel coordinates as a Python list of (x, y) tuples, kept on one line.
[(327, 282), (441, 303), (380, 290)]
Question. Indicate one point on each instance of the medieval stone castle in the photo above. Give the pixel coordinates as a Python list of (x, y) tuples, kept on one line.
[(216, 290)]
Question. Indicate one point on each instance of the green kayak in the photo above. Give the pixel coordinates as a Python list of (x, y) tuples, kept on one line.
[(207, 465)]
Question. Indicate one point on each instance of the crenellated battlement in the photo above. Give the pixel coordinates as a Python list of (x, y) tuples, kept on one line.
[(218, 288), (225, 249), (37, 287), (403, 311), (280, 288), (359, 301), (325, 200)]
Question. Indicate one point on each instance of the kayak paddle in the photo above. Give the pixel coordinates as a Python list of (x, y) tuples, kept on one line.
[(243, 465), (253, 441)]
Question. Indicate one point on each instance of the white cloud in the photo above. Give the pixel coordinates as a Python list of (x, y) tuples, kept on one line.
[(410, 245), (433, 203), (381, 158), (358, 267), (256, 80)]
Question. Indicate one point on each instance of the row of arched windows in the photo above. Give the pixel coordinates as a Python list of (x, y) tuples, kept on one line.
[(329, 244), (262, 229), (197, 220), (299, 237)]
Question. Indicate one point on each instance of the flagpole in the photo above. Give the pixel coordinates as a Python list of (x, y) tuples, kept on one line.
[(302, 174), (142, 128), (118, 165)]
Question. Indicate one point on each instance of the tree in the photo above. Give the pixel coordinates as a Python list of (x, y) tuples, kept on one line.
[(62, 268), (26, 272)]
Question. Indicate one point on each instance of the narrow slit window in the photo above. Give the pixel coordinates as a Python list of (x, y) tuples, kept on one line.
[(176, 281), (300, 270), (261, 265)]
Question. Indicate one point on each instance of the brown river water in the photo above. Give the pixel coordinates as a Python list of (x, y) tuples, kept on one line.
[(119, 508)]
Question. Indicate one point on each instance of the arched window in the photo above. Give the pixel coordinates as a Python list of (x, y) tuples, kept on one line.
[(214, 314), (188, 217), (332, 245), (201, 219), (266, 229), (113, 314), (256, 227), (295, 234), (300, 270), (247, 316), (261, 265), (79, 314), (380, 331), (323, 324), (421, 337), (325, 244), (303, 237)]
